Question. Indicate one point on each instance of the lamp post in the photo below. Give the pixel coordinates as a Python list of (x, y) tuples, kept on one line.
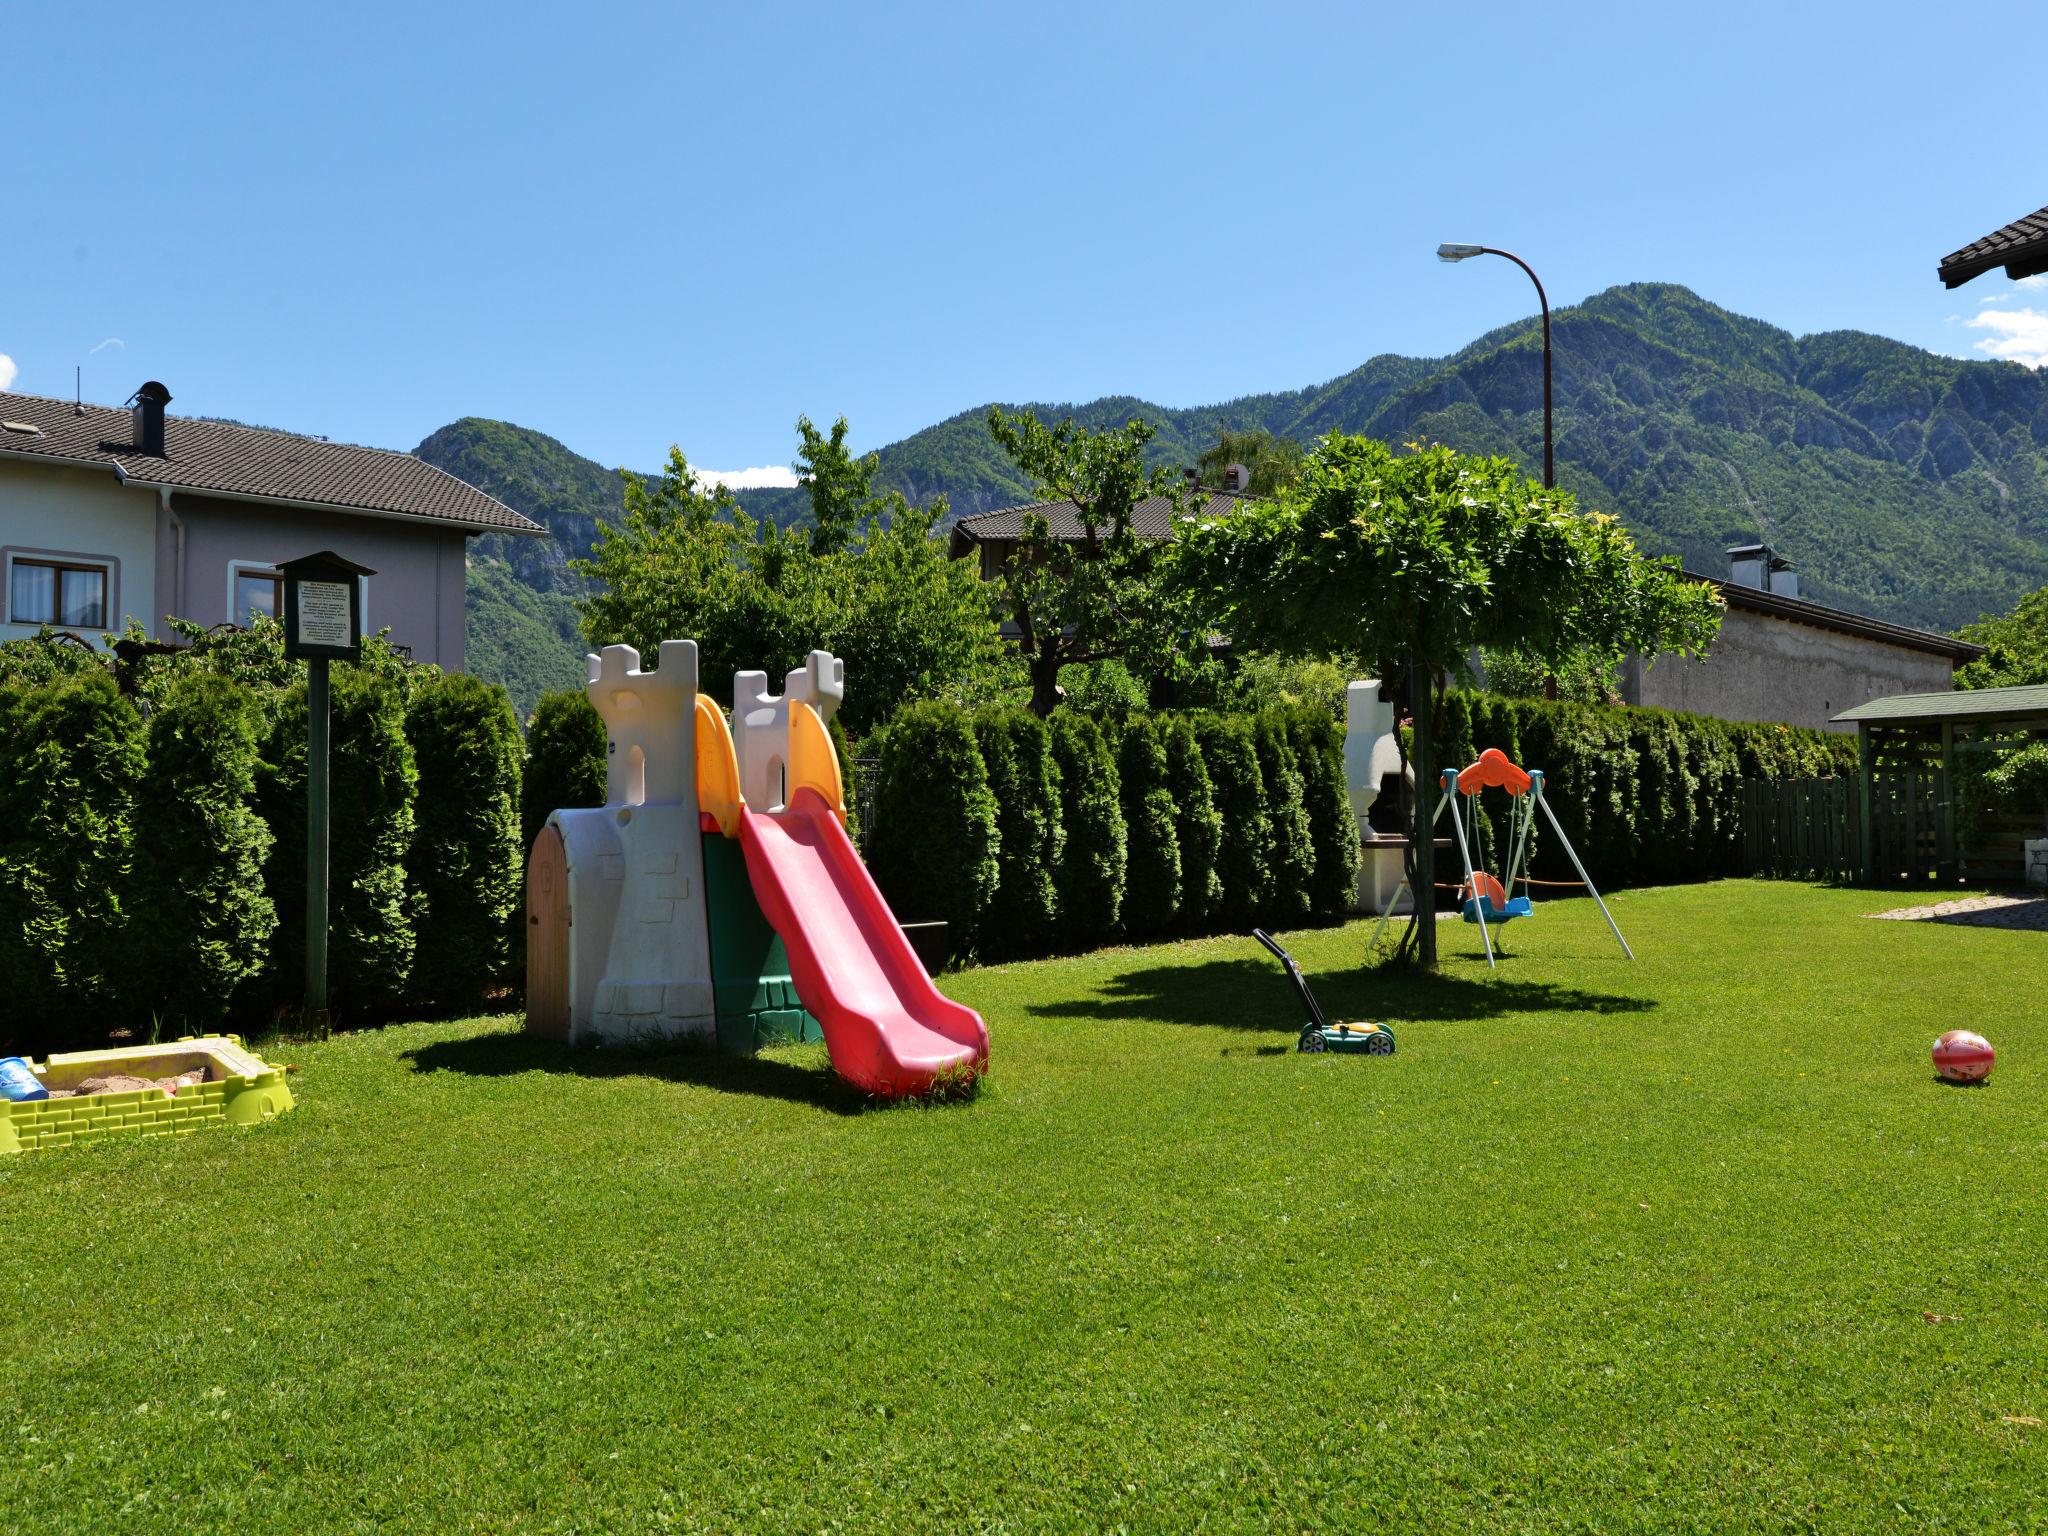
[(1450, 252)]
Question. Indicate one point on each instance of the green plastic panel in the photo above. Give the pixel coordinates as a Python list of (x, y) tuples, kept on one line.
[(756, 1001)]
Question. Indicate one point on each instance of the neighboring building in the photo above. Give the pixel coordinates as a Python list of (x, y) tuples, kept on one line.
[(1780, 658), (2021, 248), (992, 537), (108, 515)]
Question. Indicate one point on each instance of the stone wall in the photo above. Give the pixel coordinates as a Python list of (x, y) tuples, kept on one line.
[(1767, 668)]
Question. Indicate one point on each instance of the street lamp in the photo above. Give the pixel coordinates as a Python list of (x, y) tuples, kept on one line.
[(1453, 252)]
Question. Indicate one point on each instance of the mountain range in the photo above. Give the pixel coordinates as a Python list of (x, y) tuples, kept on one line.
[(1900, 482)]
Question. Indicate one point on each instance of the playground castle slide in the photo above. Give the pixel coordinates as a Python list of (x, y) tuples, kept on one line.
[(641, 924), (888, 1028)]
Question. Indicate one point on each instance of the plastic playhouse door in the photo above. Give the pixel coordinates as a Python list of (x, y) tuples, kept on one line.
[(547, 937)]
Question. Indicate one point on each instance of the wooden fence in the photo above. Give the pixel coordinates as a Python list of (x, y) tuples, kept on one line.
[(1802, 829), (1812, 829)]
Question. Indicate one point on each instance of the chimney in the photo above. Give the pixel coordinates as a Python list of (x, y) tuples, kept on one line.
[(1784, 580), (147, 420), (1749, 565)]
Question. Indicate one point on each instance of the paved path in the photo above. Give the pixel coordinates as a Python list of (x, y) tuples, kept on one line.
[(2026, 912)]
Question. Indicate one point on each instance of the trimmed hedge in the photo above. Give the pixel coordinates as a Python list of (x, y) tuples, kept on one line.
[(1090, 878), (564, 761), (1151, 842), (1645, 795), (1244, 861), (153, 834), (1198, 823), (1318, 743), (71, 753), (204, 919), (933, 848), (464, 866), (1016, 751), (1290, 848), (370, 931)]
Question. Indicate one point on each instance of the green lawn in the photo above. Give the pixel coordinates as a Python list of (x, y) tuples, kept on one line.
[(1604, 1247)]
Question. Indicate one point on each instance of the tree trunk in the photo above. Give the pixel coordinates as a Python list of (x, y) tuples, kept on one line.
[(1423, 829), (1045, 682)]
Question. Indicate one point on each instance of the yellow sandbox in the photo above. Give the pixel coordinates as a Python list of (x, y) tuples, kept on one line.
[(239, 1089)]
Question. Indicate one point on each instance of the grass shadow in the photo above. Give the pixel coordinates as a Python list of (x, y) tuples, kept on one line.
[(507, 1055), (1255, 995)]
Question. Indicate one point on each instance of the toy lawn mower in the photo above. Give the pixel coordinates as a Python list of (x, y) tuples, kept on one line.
[(1319, 1035)]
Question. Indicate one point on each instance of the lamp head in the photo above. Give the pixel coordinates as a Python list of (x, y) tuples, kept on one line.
[(1454, 252)]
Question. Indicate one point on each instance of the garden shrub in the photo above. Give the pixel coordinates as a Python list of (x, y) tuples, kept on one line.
[(464, 866), (1103, 690), (933, 847), (370, 930), (1197, 823), (1318, 743), (564, 769), (1016, 750), (1232, 758), (203, 918), (71, 753), (1291, 852), (1090, 874), (1151, 843)]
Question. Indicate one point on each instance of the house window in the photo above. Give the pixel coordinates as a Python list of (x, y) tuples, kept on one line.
[(257, 592), (255, 589), (64, 592)]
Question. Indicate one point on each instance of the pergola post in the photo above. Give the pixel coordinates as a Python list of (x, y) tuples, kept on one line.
[(1945, 848), (1866, 762)]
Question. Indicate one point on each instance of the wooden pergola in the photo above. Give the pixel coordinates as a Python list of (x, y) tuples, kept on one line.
[(1908, 748)]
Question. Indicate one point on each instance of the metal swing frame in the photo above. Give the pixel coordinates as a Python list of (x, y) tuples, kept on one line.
[(1527, 803)]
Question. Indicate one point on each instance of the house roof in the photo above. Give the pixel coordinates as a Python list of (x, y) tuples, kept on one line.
[(215, 458), (1151, 520), (2021, 248), (1980, 704), (1799, 611)]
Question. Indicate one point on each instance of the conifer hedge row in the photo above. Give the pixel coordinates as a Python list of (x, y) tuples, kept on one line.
[(152, 841), (1198, 822), (1647, 796), (1026, 836)]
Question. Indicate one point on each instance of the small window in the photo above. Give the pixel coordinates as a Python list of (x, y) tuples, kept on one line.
[(257, 593), (58, 592)]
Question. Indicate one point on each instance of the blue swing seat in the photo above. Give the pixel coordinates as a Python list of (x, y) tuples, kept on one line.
[(1518, 906)]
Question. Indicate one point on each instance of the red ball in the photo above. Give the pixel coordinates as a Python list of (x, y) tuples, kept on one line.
[(1963, 1056)]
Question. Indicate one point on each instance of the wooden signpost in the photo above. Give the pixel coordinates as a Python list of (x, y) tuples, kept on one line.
[(323, 622)]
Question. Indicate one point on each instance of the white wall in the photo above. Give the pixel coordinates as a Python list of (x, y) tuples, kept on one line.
[(50, 509)]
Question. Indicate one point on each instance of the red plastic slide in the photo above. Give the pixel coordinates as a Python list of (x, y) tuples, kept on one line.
[(890, 1031)]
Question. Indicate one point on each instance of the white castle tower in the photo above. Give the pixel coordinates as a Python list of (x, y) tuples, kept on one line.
[(761, 723), (641, 853)]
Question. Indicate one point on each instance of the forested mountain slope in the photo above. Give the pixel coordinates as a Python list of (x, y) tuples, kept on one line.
[(1902, 483)]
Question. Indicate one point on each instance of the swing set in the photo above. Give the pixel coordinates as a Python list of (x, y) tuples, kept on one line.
[(1484, 898)]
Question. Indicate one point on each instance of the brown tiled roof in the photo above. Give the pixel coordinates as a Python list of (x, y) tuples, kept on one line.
[(253, 463), (1151, 520), (2021, 248)]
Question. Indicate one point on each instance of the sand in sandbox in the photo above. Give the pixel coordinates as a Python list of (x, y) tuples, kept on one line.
[(122, 1082)]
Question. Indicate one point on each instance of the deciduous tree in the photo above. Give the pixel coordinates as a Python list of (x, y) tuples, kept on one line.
[(1410, 560)]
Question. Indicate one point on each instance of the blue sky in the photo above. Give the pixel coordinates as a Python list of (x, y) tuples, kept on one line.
[(635, 225)]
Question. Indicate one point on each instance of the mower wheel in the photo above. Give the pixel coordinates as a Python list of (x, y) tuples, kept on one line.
[(1379, 1043), (1311, 1041)]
